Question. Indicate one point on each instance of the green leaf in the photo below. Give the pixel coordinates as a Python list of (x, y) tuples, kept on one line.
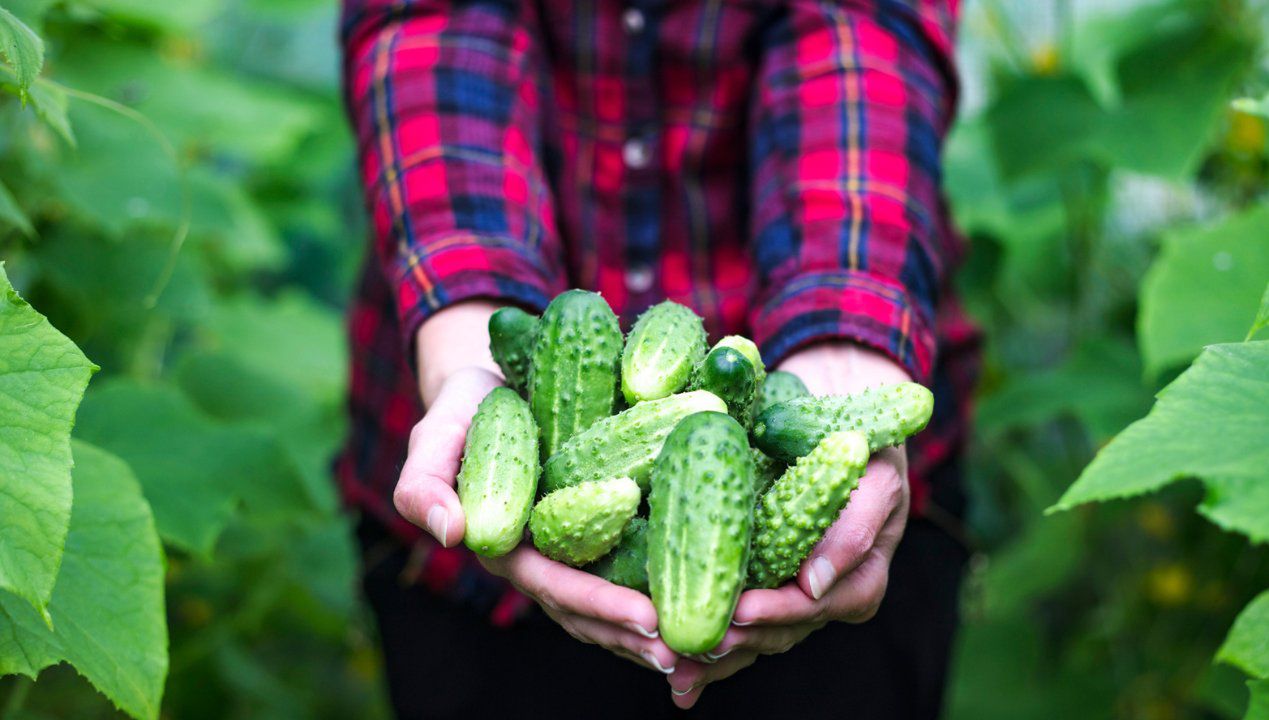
[(1042, 124), (194, 471), (48, 100), (1208, 424), (22, 48), (42, 378), (1258, 706), (1247, 645), (11, 213), (1262, 317), (1204, 288), (107, 607)]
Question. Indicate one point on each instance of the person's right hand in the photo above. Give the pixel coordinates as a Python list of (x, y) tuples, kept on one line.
[(589, 608)]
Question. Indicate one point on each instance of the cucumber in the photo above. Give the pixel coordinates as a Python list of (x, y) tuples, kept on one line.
[(580, 524), (780, 387), (665, 345), (765, 471), (727, 373), (512, 333), (887, 415), (793, 515), (624, 445), (499, 475), (746, 347), (627, 564), (573, 375), (699, 524)]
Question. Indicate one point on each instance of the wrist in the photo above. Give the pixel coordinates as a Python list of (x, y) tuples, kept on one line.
[(453, 339), (837, 367)]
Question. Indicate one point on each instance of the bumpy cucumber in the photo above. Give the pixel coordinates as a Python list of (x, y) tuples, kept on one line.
[(499, 475), (627, 564), (727, 373), (887, 415), (699, 524), (665, 344), (573, 376), (624, 445), (765, 471), (800, 506), (512, 332), (747, 348), (780, 387), (580, 524)]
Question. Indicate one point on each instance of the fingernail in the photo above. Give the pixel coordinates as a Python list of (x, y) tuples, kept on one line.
[(681, 693), (738, 623), (715, 658), (652, 660), (438, 523), (822, 574), (636, 627)]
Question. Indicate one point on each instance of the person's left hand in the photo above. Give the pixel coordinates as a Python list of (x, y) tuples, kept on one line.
[(845, 576)]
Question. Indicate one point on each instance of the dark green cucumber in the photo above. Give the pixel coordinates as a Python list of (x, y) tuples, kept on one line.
[(765, 470), (512, 333), (727, 373), (573, 375), (665, 345), (499, 475), (627, 564), (793, 515), (780, 387), (887, 415), (747, 348), (582, 523), (699, 524), (624, 445)]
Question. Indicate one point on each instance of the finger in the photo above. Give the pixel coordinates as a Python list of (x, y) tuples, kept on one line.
[(649, 652), (882, 497), (561, 587), (425, 491), (852, 599), (764, 640), (690, 678)]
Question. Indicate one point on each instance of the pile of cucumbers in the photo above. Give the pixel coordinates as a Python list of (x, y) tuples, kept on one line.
[(684, 471)]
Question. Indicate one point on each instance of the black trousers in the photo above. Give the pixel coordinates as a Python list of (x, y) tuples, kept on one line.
[(443, 660)]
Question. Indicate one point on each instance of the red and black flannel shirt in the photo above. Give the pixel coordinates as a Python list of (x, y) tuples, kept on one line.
[(773, 165)]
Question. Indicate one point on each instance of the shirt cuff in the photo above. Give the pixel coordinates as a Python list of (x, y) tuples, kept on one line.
[(854, 305), (466, 267)]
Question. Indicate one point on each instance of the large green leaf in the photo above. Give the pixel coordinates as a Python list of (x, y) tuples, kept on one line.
[(194, 471), (1247, 645), (1042, 124), (1258, 706), (42, 378), (1204, 288), (1208, 424), (22, 48), (107, 608)]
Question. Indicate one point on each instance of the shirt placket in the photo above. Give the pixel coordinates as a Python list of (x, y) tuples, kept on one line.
[(640, 155)]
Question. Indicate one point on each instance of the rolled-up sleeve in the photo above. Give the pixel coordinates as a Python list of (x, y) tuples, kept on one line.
[(445, 101), (850, 232)]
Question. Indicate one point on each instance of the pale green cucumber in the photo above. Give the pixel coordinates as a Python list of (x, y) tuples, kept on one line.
[(499, 474), (665, 344), (580, 524)]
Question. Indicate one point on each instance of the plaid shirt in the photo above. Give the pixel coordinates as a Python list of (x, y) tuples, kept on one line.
[(773, 165)]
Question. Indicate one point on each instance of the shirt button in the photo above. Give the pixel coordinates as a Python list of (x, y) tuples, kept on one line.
[(632, 20), (636, 154), (639, 278)]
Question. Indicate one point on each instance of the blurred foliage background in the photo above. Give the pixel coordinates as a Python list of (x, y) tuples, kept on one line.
[(177, 195)]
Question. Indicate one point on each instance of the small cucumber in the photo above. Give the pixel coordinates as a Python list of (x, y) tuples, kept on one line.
[(793, 515), (887, 415), (499, 475), (627, 564), (727, 373), (624, 445), (699, 524), (747, 348), (580, 524), (573, 375), (765, 471), (512, 332), (780, 387), (665, 344)]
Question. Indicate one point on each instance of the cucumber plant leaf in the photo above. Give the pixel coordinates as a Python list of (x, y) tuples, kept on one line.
[(1204, 288), (1208, 424), (108, 605), (1247, 645), (42, 379), (1262, 316), (22, 48)]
